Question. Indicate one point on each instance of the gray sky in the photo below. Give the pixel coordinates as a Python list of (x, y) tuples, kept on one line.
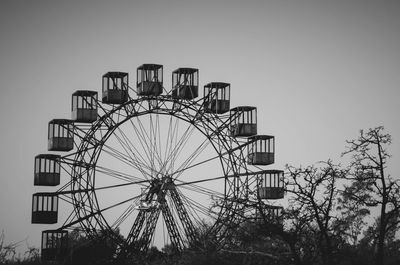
[(318, 71)]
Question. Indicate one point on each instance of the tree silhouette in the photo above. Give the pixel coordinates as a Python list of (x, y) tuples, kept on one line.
[(372, 187), (311, 213)]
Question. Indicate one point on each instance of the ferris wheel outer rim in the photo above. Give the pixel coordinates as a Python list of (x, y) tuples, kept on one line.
[(101, 121)]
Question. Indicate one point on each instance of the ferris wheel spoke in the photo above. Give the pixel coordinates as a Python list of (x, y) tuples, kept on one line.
[(155, 145), (204, 191), (222, 155), (181, 170), (122, 140), (191, 158), (195, 207), (119, 175), (196, 189), (140, 166), (159, 142), (176, 151), (98, 212), (144, 138), (117, 154), (134, 151), (171, 138), (85, 190), (184, 183), (131, 151), (192, 186), (121, 185), (129, 147), (168, 142), (125, 214)]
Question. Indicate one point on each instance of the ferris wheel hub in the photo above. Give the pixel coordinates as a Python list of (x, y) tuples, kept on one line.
[(158, 188)]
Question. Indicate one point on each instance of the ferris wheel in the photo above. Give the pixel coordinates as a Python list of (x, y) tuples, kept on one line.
[(152, 168)]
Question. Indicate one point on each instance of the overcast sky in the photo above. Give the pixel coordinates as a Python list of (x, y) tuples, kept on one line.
[(318, 72)]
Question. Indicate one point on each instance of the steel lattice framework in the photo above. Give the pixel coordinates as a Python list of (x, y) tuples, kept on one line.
[(156, 167)]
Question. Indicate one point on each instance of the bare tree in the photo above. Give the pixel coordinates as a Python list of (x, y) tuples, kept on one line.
[(314, 192), (371, 186), (7, 251)]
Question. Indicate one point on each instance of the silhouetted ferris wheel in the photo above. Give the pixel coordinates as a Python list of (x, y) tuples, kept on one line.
[(153, 168)]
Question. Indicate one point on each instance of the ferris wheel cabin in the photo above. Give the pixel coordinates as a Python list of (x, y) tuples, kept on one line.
[(44, 208), (261, 150), (185, 83), (243, 121), (270, 185), (217, 97), (84, 106), (271, 214), (60, 135), (115, 87), (149, 80), (47, 170), (54, 245)]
